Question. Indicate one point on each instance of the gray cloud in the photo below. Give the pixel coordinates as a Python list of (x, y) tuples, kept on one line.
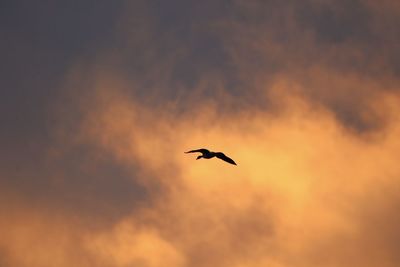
[(98, 99)]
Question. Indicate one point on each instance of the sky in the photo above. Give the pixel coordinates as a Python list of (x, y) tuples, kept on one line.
[(99, 100)]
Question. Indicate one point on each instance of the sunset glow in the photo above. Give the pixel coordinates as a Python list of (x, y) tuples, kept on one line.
[(303, 96)]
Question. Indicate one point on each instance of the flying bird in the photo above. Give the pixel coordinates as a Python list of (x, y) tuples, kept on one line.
[(206, 154)]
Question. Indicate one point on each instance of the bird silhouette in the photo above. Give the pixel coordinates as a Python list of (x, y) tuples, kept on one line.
[(207, 154)]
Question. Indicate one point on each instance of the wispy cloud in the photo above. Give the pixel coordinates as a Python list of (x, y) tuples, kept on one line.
[(304, 96)]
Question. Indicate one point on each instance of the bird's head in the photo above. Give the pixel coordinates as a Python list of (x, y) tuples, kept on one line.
[(199, 157)]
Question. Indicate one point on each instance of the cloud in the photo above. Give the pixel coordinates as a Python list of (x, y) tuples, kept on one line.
[(292, 92)]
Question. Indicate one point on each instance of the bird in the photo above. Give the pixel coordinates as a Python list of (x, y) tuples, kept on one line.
[(207, 154)]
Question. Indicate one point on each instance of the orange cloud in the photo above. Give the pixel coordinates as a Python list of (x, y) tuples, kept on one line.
[(316, 145), (299, 190), (299, 196)]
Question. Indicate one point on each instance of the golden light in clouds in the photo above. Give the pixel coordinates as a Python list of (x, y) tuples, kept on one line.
[(317, 147), (301, 195)]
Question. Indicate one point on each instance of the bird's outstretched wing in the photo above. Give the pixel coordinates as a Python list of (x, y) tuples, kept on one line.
[(201, 150), (222, 156)]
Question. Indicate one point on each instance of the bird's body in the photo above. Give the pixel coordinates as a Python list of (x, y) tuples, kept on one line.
[(205, 153)]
